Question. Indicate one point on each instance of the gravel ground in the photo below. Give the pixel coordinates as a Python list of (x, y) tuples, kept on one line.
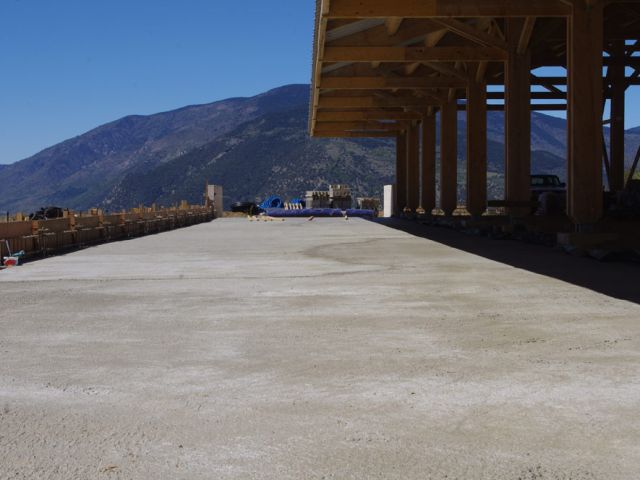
[(329, 349)]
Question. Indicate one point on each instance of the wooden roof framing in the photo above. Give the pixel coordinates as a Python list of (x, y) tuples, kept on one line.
[(377, 61)]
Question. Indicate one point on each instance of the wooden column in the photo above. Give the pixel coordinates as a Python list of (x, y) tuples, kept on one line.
[(401, 172), (449, 157), (618, 87), (585, 43), (413, 167), (517, 121), (428, 196), (476, 148)]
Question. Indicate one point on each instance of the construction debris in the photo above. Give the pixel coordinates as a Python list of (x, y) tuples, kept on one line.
[(340, 196)]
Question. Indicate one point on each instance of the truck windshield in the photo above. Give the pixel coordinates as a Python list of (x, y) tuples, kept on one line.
[(545, 180)]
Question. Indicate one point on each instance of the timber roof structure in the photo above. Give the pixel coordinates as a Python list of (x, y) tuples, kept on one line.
[(379, 64)]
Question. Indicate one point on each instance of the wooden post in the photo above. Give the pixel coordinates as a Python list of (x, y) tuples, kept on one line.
[(401, 172), (617, 75), (428, 196), (517, 121), (476, 148), (413, 167), (585, 43), (449, 157)]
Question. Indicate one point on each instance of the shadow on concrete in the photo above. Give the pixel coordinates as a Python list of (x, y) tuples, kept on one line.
[(615, 279)]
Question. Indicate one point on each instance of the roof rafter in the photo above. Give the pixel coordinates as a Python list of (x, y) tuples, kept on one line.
[(470, 32)]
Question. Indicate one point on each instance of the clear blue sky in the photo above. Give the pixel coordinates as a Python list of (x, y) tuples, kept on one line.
[(67, 66)]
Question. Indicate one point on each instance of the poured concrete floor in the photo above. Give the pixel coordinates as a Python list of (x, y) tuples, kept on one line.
[(329, 349)]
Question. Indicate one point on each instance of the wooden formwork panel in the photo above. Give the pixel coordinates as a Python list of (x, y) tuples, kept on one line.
[(113, 219), (47, 236), (87, 222), (57, 226), (15, 229)]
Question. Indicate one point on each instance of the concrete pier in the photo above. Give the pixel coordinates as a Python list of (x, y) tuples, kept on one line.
[(324, 349)]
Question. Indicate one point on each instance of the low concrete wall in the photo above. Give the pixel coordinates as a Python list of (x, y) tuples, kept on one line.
[(45, 237)]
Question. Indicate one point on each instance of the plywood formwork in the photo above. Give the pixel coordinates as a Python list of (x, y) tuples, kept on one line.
[(381, 65), (45, 237)]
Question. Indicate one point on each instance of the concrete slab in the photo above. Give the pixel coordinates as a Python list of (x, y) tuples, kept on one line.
[(325, 349)]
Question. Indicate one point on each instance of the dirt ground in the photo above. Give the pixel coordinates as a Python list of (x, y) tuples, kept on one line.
[(329, 349)]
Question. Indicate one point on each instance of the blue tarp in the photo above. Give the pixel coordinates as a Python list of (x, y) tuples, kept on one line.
[(305, 212), (318, 212), (273, 201)]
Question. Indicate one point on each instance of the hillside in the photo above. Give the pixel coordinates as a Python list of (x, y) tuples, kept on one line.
[(252, 146), (79, 172), (272, 154)]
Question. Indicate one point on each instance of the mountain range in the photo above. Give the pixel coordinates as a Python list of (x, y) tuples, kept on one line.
[(252, 146)]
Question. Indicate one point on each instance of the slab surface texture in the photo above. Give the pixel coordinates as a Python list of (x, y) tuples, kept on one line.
[(329, 349)]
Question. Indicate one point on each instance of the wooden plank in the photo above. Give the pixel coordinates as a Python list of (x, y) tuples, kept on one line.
[(428, 191), (413, 54), (476, 149), (585, 40), (449, 157), (390, 83), (447, 8)]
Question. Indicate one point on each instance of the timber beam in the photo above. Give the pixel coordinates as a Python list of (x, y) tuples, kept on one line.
[(373, 102), (390, 83), (353, 134), (413, 54), (446, 8), (365, 125), (358, 116)]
